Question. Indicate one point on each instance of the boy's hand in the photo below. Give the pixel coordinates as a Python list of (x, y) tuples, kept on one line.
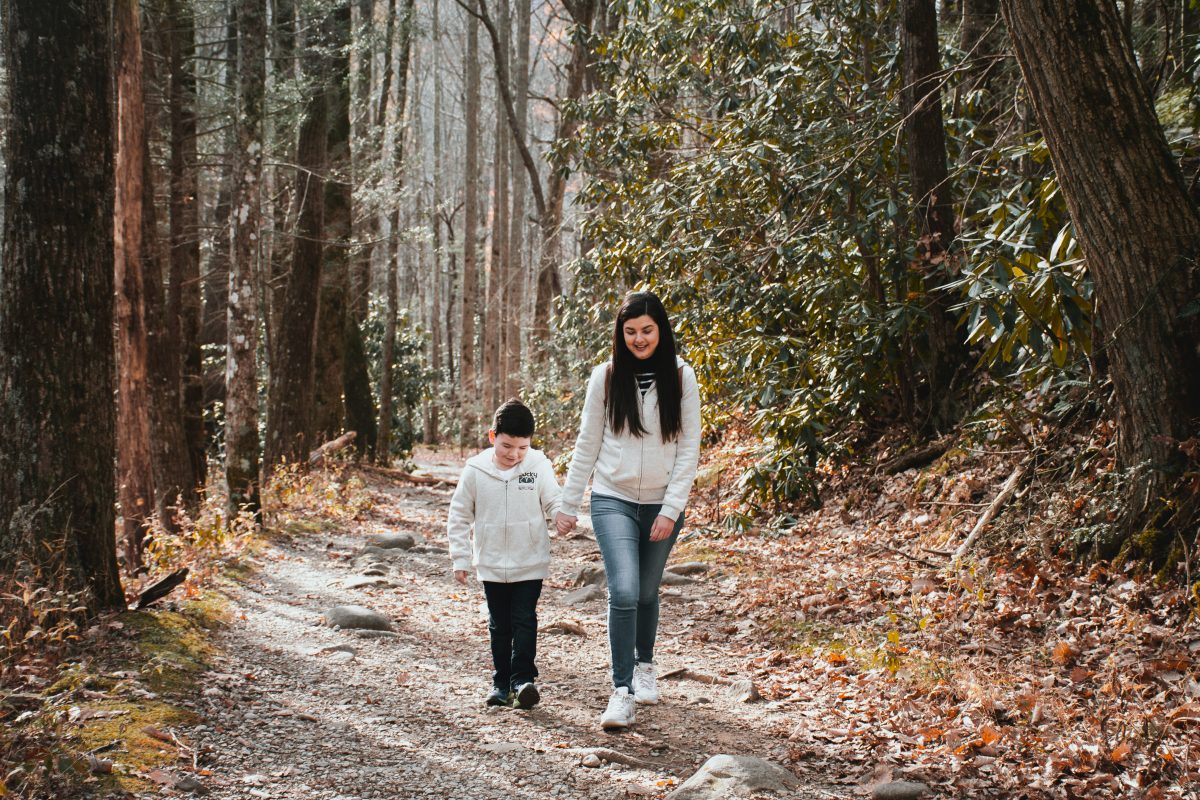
[(564, 523), (460, 575)]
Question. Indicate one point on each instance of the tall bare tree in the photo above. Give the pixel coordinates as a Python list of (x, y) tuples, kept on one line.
[(241, 379), (184, 306), (514, 286), (135, 467), (290, 421), (57, 420), (403, 58), (468, 394)]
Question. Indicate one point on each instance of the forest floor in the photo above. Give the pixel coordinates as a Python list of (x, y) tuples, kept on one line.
[(1018, 673)]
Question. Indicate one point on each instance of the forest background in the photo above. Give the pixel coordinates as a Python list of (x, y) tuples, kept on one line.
[(886, 230)]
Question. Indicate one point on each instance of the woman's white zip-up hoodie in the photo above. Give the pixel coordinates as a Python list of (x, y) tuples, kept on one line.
[(641, 469), (509, 517)]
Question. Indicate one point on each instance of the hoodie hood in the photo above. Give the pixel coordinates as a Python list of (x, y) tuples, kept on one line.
[(485, 462)]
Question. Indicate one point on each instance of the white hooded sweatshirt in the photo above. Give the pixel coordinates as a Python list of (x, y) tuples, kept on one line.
[(639, 469), (509, 517)]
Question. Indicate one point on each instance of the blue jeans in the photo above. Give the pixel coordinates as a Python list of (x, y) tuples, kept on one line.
[(634, 567), (512, 629)]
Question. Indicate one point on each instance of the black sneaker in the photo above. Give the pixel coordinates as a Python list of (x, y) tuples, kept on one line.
[(527, 696), (499, 697)]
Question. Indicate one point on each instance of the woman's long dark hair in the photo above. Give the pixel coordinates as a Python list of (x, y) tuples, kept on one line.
[(622, 397)]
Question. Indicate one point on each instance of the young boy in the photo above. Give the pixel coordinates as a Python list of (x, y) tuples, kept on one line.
[(506, 495)]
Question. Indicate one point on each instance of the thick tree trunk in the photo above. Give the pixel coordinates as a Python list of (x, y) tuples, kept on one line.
[(1135, 222), (944, 355), (290, 423), (135, 465), (468, 395), (57, 420), (185, 308), (432, 419), (173, 478), (498, 263), (241, 379)]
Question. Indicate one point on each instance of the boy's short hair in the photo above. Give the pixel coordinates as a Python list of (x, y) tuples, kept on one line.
[(513, 418)]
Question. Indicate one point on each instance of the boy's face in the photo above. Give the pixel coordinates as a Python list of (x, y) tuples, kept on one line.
[(510, 450)]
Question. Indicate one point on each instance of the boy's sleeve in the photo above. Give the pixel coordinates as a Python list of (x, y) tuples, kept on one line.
[(549, 490), (587, 444), (460, 519)]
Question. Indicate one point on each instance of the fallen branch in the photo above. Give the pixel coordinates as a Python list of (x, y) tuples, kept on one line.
[(915, 458), (1006, 491), (162, 588), (402, 475), (686, 673), (341, 443), (613, 757)]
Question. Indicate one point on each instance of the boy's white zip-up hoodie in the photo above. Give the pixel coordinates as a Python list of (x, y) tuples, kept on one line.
[(641, 469), (509, 517)]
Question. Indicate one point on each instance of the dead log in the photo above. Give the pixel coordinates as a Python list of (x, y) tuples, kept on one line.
[(915, 458), (321, 453), (162, 588), (402, 475)]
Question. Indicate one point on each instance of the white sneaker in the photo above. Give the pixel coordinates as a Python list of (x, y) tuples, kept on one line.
[(645, 684), (620, 712)]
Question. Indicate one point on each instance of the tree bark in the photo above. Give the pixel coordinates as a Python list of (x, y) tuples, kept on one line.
[(931, 190), (290, 422), (468, 396), (401, 72), (432, 419), (135, 465), (1135, 222), (185, 308), (514, 294), (241, 380), (498, 263), (57, 419)]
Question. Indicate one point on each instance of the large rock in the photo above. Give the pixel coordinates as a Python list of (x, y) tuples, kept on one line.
[(356, 618), (392, 541), (725, 776), (584, 595)]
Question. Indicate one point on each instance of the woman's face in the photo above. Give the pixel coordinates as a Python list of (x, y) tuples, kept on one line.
[(641, 336)]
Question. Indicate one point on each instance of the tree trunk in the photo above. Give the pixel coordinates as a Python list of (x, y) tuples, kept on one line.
[(173, 477), (514, 294), (241, 380), (185, 309), (498, 266), (944, 354), (135, 465), (432, 420), (470, 281), (57, 420), (1135, 222), (290, 422), (386, 400)]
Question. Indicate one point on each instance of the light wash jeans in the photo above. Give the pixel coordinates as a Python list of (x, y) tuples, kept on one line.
[(634, 567)]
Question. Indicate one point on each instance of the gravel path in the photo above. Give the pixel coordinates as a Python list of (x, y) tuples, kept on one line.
[(297, 710)]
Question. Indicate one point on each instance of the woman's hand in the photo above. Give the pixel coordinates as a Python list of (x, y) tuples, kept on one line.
[(564, 523), (662, 528), (460, 575)]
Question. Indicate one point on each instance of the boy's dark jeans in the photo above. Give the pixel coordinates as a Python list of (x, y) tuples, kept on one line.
[(512, 628)]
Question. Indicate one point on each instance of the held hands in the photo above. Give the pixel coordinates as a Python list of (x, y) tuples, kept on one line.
[(460, 575), (662, 528), (564, 523)]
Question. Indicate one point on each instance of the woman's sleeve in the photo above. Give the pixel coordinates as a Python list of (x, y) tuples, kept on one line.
[(587, 444), (687, 450)]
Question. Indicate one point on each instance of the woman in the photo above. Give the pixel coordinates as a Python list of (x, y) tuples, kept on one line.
[(640, 435)]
